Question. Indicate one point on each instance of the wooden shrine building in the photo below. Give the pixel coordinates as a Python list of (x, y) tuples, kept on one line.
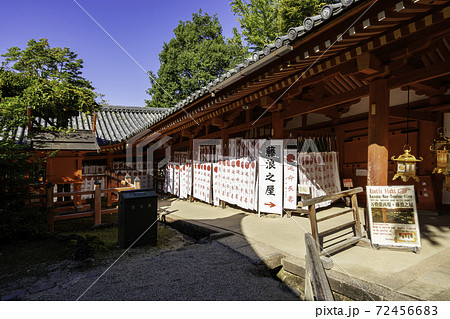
[(367, 74)]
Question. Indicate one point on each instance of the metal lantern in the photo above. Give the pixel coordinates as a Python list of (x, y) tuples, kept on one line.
[(441, 148), (441, 161), (406, 165)]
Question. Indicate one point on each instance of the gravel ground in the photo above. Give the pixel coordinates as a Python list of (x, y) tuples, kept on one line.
[(193, 271)]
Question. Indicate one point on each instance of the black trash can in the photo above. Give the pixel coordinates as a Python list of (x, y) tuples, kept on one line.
[(137, 212)]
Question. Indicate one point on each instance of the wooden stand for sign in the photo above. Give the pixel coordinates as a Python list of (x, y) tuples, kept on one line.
[(355, 223)]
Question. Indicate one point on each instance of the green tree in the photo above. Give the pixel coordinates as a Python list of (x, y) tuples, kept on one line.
[(263, 20), (196, 55), (18, 169), (49, 81), (40, 60), (259, 20), (46, 79), (293, 12), (239, 50)]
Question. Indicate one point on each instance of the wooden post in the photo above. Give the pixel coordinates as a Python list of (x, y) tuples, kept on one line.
[(50, 197), (277, 125), (378, 159), (309, 294), (98, 203), (77, 198), (77, 186), (313, 221), (94, 124), (108, 185), (356, 216)]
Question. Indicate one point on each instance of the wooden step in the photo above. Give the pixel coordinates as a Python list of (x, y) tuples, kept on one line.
[(348, 242), (335, 215), (337, 228)]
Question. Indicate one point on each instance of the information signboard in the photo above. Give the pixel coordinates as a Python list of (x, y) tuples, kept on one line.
[(270, 177), (393, 216)]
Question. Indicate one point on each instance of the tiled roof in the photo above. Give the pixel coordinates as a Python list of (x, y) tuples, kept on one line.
[(327, 13), (78, 140), (115, 124)]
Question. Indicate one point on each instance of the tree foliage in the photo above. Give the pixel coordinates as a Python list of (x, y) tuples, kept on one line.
[(19, 169), (259, 20), (293, 12), (46, 79), (49, 81), (263, 20), (197, 54)]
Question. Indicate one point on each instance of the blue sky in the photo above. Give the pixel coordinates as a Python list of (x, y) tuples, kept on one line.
[(140, 26)]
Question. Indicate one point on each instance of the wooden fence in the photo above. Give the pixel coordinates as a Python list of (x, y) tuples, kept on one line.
[(58, 212)]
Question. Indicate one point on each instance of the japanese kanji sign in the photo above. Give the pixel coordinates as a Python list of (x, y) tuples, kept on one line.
[(290, 178), (270, 164)]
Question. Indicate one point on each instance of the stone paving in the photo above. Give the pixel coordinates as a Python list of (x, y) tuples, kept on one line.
[(423, 276)]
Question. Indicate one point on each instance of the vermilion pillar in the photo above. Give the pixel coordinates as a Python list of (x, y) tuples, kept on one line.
[(378, 159)]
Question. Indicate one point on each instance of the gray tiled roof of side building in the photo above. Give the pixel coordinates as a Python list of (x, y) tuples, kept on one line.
[(115, 124)]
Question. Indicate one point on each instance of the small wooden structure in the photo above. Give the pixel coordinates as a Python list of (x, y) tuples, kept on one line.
[(316, 281), (59, 212), (355, 223)]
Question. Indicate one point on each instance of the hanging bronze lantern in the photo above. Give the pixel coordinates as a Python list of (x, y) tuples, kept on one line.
[(441, 161), (406, 165), (441, 147)]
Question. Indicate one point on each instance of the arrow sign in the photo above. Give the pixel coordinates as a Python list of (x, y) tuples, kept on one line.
[(271, 205)]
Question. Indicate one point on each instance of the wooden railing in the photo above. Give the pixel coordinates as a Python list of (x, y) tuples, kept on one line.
[(317, 286), (355, 223), (97, 195)]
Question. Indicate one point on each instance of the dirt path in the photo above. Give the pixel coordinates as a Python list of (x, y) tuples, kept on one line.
[(186, 271)]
